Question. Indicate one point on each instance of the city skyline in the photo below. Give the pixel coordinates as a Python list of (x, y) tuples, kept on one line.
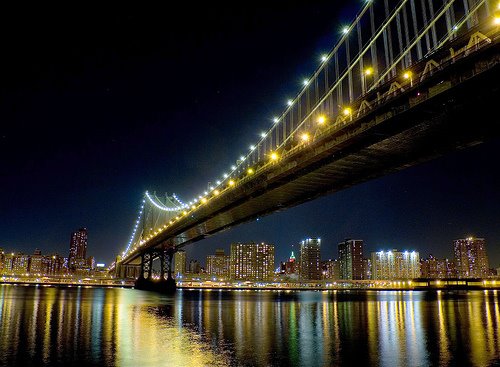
[(92, 172)]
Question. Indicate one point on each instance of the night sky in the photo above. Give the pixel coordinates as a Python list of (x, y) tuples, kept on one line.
[(98, 105)]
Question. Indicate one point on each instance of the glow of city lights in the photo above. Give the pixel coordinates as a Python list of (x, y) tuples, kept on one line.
[(305, 137), (321, 120)]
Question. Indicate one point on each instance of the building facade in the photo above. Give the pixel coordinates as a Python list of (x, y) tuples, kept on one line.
[(331, 269), (179, 263), (471, 260), (434, 268), (310, 259), (350, 256), (395, 265), (252, 261), (78, 250), (218, 264)]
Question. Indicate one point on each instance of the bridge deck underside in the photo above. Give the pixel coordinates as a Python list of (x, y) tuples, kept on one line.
[(369, 148)]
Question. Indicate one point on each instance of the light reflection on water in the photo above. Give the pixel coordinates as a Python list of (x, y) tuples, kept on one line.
[(124, 327)]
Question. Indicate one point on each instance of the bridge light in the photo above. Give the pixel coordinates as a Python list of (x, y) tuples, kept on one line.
[(218, 182), (262, 134), (409, 75), (225, 175), (252, 147), (203, 200), (347, 111), (250, 171), (496, 20), (193, 207), (345, 30), (233, 167), (276, 120), (242, 158), (305, 137), (321, 120), (289, 102), (368, 71), (324, 58), (231, 183), (184, 212), (274, 156), (305, 82), (216, 192)]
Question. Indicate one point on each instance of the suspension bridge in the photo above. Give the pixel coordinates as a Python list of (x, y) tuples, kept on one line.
[(407, 81)]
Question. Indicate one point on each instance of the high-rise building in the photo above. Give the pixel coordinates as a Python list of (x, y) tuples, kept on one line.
[(471, 260), (395, 265), (310, 259), (331, 269), (20, 264), (78, 249), (2, 261), (351, 259), (179, 263), (252, 261), (218, 264), (58, 265), (37, 264), (291, 265), (194, 267), (437, 268)]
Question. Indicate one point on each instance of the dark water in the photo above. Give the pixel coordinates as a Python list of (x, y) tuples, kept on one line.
[(48, 326)]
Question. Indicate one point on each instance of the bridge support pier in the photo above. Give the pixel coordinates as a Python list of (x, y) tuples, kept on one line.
[(165, 283)]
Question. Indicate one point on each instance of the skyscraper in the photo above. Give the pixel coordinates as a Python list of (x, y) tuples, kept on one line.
[(310, 259), (78, 249), (351, 259), (179, 263), (471, 260), (252, 261)]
